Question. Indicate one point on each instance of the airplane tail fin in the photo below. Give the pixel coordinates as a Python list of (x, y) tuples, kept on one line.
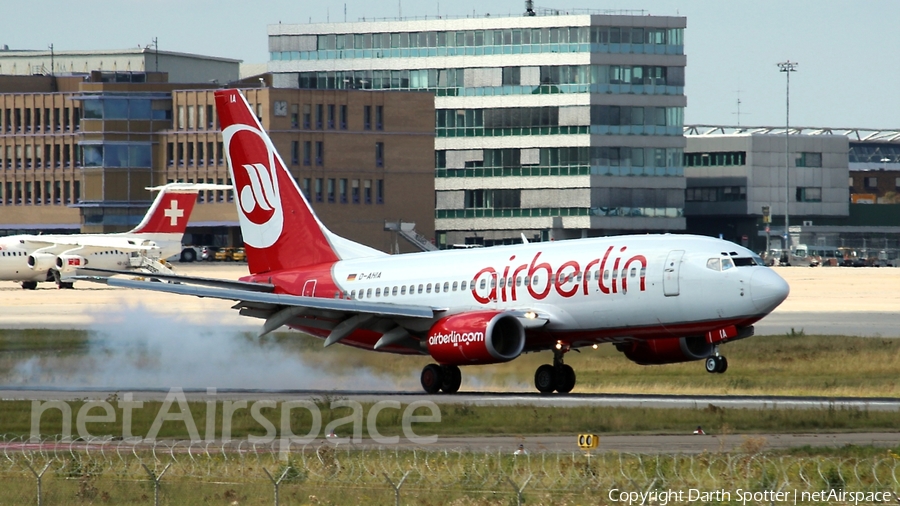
[(279, 227), (170, 211)]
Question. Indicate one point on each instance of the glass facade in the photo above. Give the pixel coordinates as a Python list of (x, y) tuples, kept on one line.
[(582, 161), (122, 108), (510, 41), (613, 106), (548, 80)]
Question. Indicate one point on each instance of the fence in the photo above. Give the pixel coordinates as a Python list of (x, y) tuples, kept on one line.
[(117, 472)]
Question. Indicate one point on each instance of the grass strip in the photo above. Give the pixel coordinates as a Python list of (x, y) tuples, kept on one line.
[(16, 418)]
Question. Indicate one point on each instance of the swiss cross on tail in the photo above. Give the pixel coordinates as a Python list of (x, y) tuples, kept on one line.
[(279, 229), (169, 213)]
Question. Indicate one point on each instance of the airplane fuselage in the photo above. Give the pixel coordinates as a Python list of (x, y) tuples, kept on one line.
[(15, 250), (592, 290)]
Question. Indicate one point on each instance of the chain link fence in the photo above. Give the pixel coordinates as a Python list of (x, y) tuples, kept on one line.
[(178, 472)]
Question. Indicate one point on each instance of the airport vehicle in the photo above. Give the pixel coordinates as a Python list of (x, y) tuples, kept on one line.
[(658, 298), (208, 253), (31, 259), (231, 255)]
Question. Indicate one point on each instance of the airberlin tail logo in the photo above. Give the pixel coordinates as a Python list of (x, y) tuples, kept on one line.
[(254, 170)]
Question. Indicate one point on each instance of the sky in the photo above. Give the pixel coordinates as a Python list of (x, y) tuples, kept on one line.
[(846, 76)]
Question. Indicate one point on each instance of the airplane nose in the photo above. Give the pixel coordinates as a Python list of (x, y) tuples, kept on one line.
[(767, 289)]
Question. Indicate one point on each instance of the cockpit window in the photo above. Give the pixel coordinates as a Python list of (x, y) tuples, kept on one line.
[(727, 264), (714, 264), (744, 262)]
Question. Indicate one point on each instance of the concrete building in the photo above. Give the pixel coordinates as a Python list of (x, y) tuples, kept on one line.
[(732, 174), (555, 126), (127, 65), (78, 151)]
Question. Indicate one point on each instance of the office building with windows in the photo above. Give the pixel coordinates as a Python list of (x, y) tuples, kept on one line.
[(77, 153), (552, 126), (733, 173)]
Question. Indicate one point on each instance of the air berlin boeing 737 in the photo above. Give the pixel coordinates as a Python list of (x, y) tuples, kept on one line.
[(658, 298)]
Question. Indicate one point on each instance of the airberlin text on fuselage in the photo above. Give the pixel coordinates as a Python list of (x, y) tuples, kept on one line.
[(456, 338), (563, 278)]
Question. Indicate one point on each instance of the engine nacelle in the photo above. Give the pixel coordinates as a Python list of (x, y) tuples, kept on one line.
[(70, 263), (482, 337), (41, 261), (669, 350)]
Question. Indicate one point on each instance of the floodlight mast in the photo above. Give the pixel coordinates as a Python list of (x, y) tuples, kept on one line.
[(787, 67)]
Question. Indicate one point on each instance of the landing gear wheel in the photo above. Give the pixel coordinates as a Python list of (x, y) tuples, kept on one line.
[(723, 365), (565, 380), (432, 378), (29, 285), (62, 285), (545, 379), (717, 364), (452, 379)]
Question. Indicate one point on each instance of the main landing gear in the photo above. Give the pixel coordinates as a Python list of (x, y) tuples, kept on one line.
[(559, 376), (716, 363), (445, 378)]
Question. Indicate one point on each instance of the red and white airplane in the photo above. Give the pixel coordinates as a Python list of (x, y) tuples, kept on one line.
[(659, 298), (31, 259)]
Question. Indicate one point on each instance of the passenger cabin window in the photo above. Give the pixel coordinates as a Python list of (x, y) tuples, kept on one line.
[(446, 286), (714, 264), (378, 292), (403, 290), (394, 291), (428, 288)]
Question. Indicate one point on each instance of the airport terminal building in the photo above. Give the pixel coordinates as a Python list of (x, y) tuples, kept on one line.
[(552, 126), (843, 186)]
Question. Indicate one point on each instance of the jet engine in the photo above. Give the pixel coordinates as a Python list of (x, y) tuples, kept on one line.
[(482, 337), (41, 261), (667, 350), (69, 263)]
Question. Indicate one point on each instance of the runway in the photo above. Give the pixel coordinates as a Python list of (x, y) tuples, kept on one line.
[(470, 398)]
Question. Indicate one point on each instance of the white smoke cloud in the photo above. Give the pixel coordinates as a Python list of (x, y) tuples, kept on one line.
[(139, 347)]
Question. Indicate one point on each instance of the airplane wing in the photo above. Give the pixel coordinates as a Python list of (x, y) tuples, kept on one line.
[(89, 243), (258, 301)]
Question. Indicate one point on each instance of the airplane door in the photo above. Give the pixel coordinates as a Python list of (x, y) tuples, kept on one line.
[(671, 273), (309, 288)]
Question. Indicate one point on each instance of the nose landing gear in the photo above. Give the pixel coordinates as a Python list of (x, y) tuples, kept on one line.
[(559, 376), (716, 364)]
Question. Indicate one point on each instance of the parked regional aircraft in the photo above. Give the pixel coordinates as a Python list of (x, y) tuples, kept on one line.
[(31, 259), (658, 298)]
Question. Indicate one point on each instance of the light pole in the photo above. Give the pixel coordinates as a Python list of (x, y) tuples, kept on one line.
[(787, 67)]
